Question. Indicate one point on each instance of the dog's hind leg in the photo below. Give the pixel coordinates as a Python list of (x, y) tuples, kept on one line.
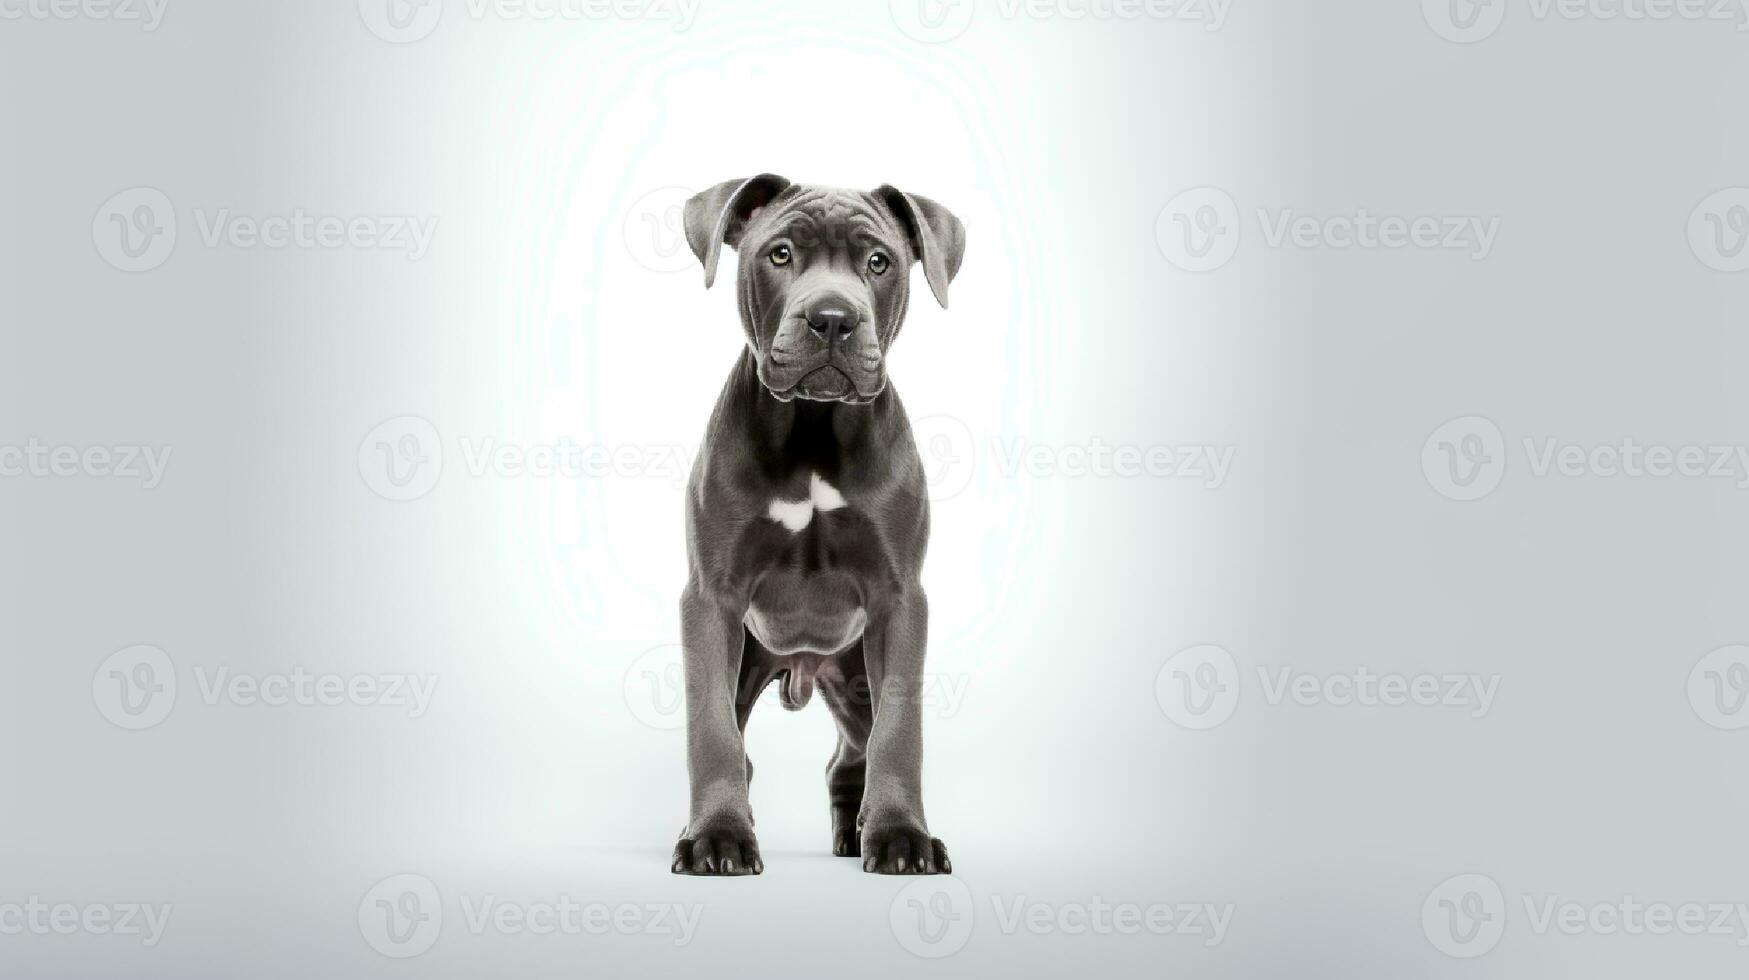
[(843, 683)]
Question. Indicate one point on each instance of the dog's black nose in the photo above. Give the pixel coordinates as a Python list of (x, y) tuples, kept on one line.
[(832, 319)]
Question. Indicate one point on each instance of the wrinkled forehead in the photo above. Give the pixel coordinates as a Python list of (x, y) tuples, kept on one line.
[(828, 216)]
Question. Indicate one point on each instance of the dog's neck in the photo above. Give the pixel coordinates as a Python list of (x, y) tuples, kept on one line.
[(804, 432)]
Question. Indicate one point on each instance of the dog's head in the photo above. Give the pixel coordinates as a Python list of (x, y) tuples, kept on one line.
[(824, 276)]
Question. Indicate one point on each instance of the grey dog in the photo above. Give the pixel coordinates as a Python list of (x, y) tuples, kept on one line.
[(807, 516)]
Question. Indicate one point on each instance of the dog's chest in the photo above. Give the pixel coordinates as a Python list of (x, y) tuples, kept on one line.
[(795, 515)]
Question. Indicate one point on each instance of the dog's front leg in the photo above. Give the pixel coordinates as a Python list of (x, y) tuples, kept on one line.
[(895, 837), (718, 839)]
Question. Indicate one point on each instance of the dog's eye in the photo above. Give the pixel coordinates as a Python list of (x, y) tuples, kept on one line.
[(878, 262), (780, 255)]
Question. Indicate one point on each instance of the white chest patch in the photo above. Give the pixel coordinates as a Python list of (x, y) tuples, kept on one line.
[(797, 514)]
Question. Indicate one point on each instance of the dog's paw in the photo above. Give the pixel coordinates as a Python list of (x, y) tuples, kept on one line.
[(903, 851), (718, 850), (846, 842)]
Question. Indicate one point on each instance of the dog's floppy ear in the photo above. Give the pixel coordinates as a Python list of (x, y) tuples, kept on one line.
[(937, 237), (719, 216)]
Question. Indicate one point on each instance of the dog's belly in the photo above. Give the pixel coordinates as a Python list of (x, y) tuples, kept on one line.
[(806, 612)]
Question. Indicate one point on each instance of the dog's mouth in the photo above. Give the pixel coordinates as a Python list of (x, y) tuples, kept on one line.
[(826, 383)]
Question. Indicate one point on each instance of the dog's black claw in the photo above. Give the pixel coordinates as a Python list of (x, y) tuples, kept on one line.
[(903, 851), (718, 852)]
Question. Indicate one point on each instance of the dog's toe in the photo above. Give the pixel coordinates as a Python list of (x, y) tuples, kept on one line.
[(729, 851), (903, 851)]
